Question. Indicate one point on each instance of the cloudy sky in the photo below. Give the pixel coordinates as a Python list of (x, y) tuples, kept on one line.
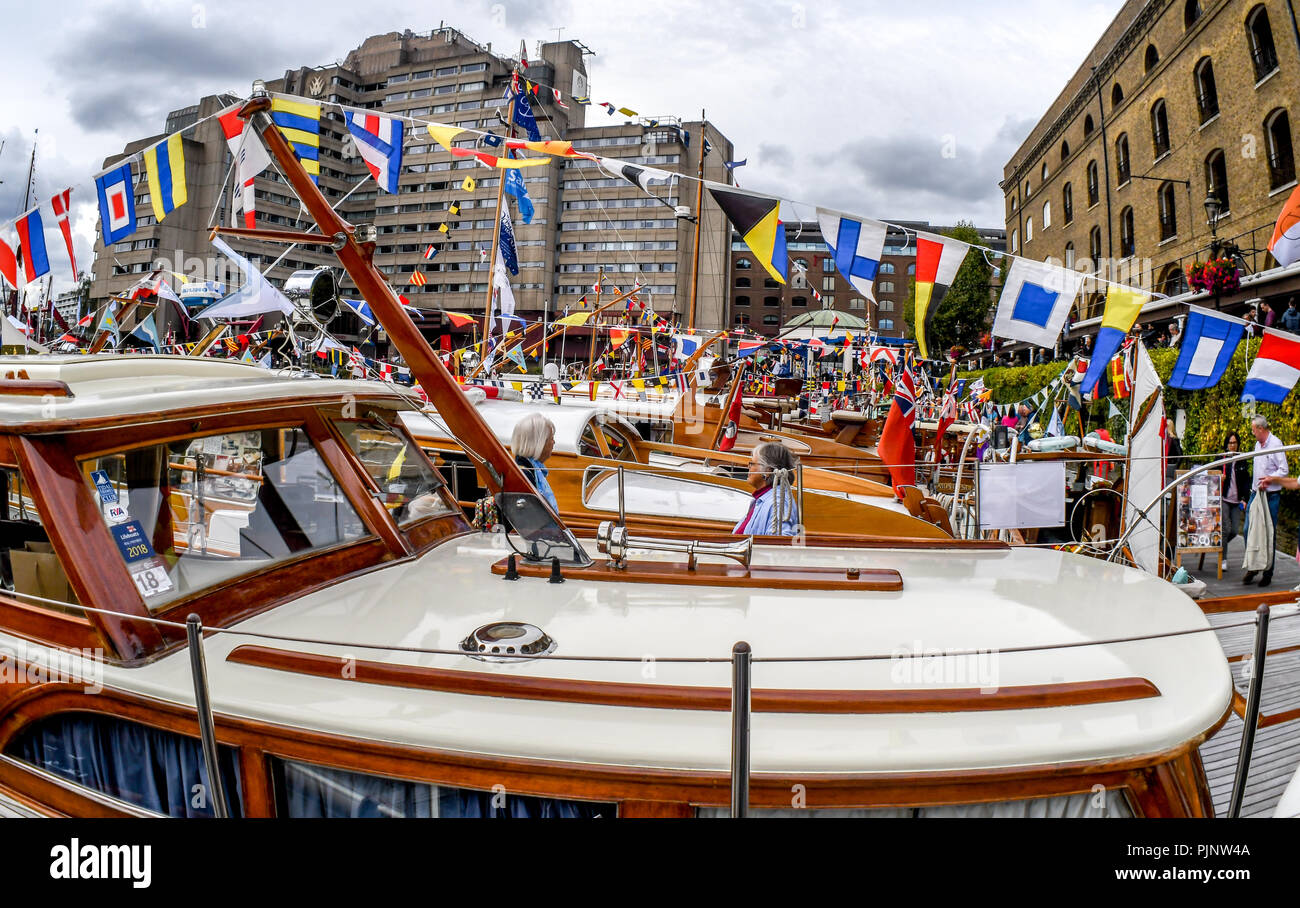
[(846, 103)]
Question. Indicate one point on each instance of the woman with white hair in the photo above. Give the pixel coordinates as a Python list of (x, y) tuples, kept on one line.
[(532, 442), (773, 511)]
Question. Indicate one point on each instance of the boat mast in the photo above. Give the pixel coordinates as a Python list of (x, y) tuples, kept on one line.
[(356, 255), (699, 225), (27, 200), (496, 222), (595, 322)]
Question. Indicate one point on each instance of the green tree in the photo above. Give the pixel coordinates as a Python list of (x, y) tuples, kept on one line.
[(962, 316)]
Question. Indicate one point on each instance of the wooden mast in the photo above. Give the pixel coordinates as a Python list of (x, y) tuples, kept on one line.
[(593, 321), (501, 473), (699, 227)]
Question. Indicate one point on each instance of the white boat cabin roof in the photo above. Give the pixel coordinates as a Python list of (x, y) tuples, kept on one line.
[(124, 386)]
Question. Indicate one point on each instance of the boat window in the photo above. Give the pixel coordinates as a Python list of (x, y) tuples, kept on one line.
[(305, 790), (29, 567), (1110, 803), (620, 448), (158, 770), (409, 487), (193, 513), (588, 444)]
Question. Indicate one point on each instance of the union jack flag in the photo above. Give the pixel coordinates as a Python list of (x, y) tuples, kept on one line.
[(905, 393)]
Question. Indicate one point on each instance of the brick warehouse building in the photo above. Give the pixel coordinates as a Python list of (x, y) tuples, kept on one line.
[(1180, 101), (761, 304), (584, 220)]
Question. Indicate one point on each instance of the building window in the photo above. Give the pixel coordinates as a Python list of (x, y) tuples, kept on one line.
[(801, 264), (1126, 241), (1281, 162), (885, 287), (1069, 255), (1260, 35), (857, 303), (1067, 203), (1065, 150), (743, 264), (1116, 95), (1151, 59), (770, 283), (1121, 160), (886, 306), (1094, 247), (887, 268), (1088, 126), (1028, 189), (800, 301), (1015, 242), (742, 282), (1029, 230), (771, 320), (886, 324), (771, 301), (742, 318), (1013, 204), (1191, 12), (742, 301), (911, 269), (1216, 179), (1043, 172), (1160, 127), (1093, 187), (1047, 214), (828, 265), (828, 283), (1207, 95), (1168, 213)]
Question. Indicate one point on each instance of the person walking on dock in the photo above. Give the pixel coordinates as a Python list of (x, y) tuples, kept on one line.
[(1270, 467)]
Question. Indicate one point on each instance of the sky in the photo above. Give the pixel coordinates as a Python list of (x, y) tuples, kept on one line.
[(884, 109)]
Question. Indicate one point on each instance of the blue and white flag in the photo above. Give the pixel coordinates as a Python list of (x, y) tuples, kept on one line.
[(1209, 340), (856, 247), (379, 140), (1056, 428), (524, 116), (515, 186), (507, 242), (1036, 299), (362, 310), (147, 331)]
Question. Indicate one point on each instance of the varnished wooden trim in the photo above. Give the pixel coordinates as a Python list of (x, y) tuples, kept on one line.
[(766, 576), (593, 782), (1246, 602), (715, 699), (34, 387)]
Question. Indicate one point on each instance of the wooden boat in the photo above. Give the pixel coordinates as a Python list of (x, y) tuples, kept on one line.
[(667, 488), (358, 648)]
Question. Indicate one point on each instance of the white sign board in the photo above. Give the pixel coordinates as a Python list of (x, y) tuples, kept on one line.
[(1021, 495)]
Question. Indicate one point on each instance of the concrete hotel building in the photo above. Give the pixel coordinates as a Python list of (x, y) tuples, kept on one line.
[(1180, 112), (584, 220)]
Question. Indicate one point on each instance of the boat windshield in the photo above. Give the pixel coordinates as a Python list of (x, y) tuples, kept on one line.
[(408, 486), (193, 513)]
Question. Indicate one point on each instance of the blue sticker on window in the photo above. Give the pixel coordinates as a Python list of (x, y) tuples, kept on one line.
[(132, 541), (107, 493)]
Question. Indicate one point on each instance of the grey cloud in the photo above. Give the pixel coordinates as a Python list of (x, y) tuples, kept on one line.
[(775, 155)]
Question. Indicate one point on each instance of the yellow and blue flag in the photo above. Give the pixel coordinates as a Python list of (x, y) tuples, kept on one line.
[(300, 123), (1123, 305), (164, 166)]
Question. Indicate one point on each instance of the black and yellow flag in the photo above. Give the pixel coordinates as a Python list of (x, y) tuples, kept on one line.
[(760, 227)]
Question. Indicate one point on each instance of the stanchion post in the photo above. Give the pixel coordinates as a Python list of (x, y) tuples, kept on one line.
[(741, 667), (207, 730), (1251, 718)]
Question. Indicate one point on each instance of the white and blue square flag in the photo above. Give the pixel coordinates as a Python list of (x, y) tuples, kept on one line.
[(856, 246), (1209, 340), (1035, 301)]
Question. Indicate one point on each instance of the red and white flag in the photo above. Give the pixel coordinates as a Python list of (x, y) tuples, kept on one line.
[(251, 158), (60, 203), (558, 101)]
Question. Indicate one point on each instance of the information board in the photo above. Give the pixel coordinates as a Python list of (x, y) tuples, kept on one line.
[(1199, 521)]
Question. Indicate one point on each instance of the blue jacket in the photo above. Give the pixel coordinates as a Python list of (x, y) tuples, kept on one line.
[(758, 522), (536, 472)]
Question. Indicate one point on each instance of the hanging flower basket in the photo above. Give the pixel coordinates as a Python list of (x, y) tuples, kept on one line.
[(1217, 276)]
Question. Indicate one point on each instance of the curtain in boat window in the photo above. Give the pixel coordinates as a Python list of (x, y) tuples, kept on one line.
[(315, 791), (148, 767), (1110, 803)]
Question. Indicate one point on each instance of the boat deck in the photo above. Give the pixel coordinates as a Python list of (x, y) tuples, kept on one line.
[(1276, 752)]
